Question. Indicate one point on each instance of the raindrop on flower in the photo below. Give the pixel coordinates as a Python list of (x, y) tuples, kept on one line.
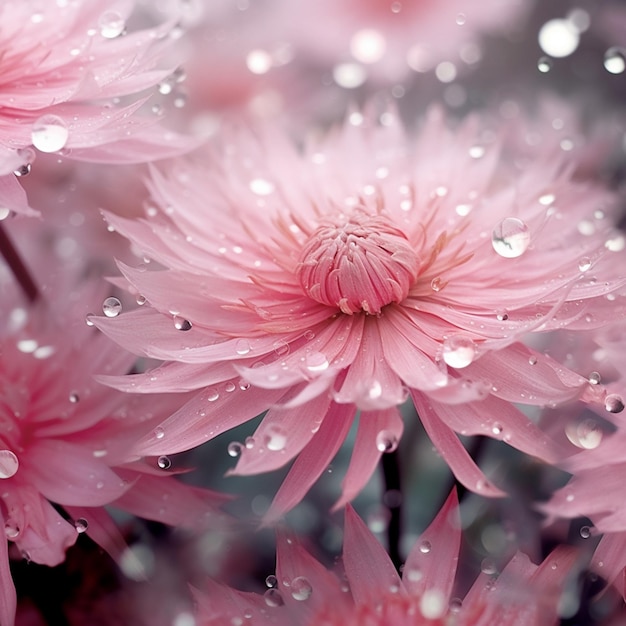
[(273, 598), (458, 351), (229, 387), (212, 395), (584, 264), (141, 300), (112, 307), (234, 449), (497, 429), (585, 532), (301, 588), (532, 360), (164, 462), (4, 213), (250, 442), (386, 441), (242, 347), (271, 581), (11, 530), (586, 434), (49, 133), (182, 324), (9, 464), (436, 284), (488, 566), (81, 525), (111, 24), (159, 433), (275, 438), (502, 315), (615, 60), (281, 347), (510, 238), (316, 362), (614, 403), (455, 606), (595, 378), (244, 385), (425, 547), (74, 397)]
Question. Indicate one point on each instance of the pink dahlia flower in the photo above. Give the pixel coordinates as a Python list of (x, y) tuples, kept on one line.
[(65, 67), (305, 593), (65, 448), (367, 270)]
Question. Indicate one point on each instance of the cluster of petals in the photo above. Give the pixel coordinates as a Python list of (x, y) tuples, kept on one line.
[(369, 591), (65, 448), (73, 82), (368, 269)]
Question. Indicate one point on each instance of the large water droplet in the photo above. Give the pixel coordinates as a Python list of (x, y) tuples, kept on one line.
[(458, 351), (559, 38), (386, 441), (234, 449), (613, 403), (182, 324), (488, 566), (510, 238), (111, 24), (81, 525), (49, 133), (316, 362), (273, 598), (112, 307), (275, 438), (586, 434), (584, 264), (242, 347), (301, 588), (271, 581), (425, 547), (615, 60), (164, 462), (585, 532), (9, 464)]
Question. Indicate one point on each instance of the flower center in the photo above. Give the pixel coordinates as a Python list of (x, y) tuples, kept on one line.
[(361, 265)]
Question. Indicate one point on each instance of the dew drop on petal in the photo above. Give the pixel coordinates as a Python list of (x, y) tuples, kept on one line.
[(74, 397), (212, 395), (4, 213), (9, 464), (502, 315), (111, 24), (585, 532), (271, 581), (532, 360), (281, 347), (615, 60), (11, 529), (584, 264), (595, 378), (49, 133), (316, 362), (586, 434), (159, 433), (386, 441), (613, 403), (497, 428), (273, 598), (164, 462), (112, 307), (510, 238), (230, 387), (234, 449), (141, 300), (301, 588), (425, 547), (182, 324), (436, 284), (488, 566), (242, 347), (81, 525), (458, 351), (275, 438)]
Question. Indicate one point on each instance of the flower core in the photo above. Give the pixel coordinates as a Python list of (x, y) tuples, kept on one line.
[(360, 265)]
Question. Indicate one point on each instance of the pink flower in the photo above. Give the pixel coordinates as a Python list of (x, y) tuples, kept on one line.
[(65, 446), (65, 68), (367, 270), (307, 594)]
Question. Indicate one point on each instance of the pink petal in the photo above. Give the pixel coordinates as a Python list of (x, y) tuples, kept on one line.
[(452, 451), (312, 461), (68, 474), (8, 598), (369, 569), (13, 197), (210, 413), (281, 436), (609, 559), (376, 430), (436, 553)]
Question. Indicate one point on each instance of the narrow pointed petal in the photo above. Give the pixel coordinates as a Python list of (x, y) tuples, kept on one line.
[(8, 598)]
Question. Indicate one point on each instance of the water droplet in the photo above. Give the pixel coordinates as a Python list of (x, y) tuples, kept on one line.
[(164, 462), (436, 284), (181, 324), (281, 347), (510, 238), (111, 307), (159, 433), (585, 532), (316, 362), (544, 64), (11, 529), (595, 378), (234, 448), (584, 264), (49, 133), (230, 387), (488, 566), (458, 351), (271, 581), (455, 605), (141, 300), (273, 598), (386, 441), (615, 60), (111, 24), (9, 464), (614, 403), (74, 397), (309, 335), (502, 315), (558, 38), (261, 187), (275, 438), (497, 428), (244, 385), (301, 588), (242, 347), (81, 525), (425, 547), (532, 360)]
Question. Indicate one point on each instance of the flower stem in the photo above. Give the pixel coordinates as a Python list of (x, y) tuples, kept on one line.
[(20, 271), (391, 472)]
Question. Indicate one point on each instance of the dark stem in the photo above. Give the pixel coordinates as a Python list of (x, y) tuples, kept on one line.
[(393, 493), (475, 450), (20, 271)]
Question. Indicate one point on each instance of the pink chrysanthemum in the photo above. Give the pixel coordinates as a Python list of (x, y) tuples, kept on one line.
[(372, 593), (65, 68), (65, 449), (365, 271)]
